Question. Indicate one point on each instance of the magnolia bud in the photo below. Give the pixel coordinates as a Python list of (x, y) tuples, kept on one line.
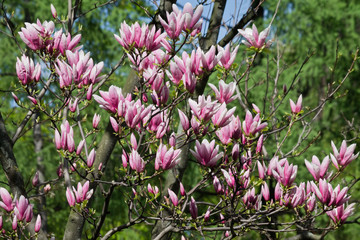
[(35, 180), (53, 11), (47, 188), (15, 97), (182, 190), (33, 100), (172, 140), (38, 223)]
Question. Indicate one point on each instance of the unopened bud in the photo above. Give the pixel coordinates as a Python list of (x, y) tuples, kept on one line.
[(35, 180), (15, 97), (47, 188), (53, 11)]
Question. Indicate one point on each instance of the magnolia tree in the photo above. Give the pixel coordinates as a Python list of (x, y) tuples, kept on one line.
[(163, 123)]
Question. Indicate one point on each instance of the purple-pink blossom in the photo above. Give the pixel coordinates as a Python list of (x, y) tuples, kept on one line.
[(344, 156), (206, 153), (296, 108), (166, 159), (204, 108), (316, 169), (225, 92), (26, 71), (253, 38)]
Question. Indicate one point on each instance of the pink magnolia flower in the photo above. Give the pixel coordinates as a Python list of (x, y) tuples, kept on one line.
[(21, 206), (175, 23), (82, 193), (207, 215), (156, 118), (35, 180), (182, 189), (285, 175), (206, 153), (175, 74), (252, 125), (154, 77), (36, 35), (139, 37), (133, 141), (219, 188), (316, 169), (70, 197), (265, 191), (296, 108), (225, 92), (124, 158), (53, 11), (273, 164), (195, 125), (193, 208), (329, 196), (38, 221), (345, 156), (14, 223), (204, 109), (262, 170), (63, 42), (339, 214), (224, 134), (229, 177), (249, 198), (173, 197), (65, 141), (112, 99), (16, 99), (244, 178), (222, 218), (192, 24), (91, 158), (136, 161), (235, 153), (89, 92), (72, 107), (235, 128), (253, 38), (161, 130), (65, 73), (84, 71), (135, 112), (223, 117), (26, 71), (33, 100), (161, 97), (47, 187), (278, 192), (189, 80), (29, 213), (152, 190), (209, 60), (259, 144), (172, 140), (310, 203), (227, 57), (300, 196), (166, 159), (96, 120)]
